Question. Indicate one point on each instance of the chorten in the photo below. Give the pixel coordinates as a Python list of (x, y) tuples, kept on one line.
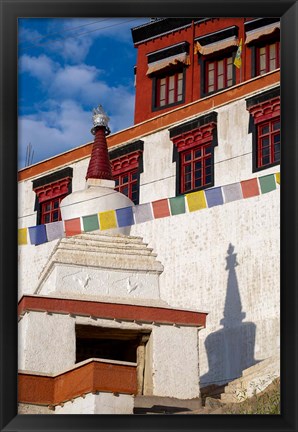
[(99, 194)]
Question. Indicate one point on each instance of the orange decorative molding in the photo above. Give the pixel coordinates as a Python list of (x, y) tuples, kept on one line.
[(112, 311), (157, 123), (95, 375)]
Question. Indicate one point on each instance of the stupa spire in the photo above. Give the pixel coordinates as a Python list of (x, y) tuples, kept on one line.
[(99, 166)]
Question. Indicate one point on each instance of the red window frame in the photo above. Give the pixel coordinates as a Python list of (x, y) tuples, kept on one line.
[(268, 142), (126, 174), (268, 58), (226, 81), (163, 99), (196, 170), (128, 184), (49, 197), (50, 210)]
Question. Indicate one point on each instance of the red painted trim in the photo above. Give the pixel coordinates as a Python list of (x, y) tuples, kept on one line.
[(194, 138), (52, 190), (266, 110), (125, 163), (89, 377), (112, 311)]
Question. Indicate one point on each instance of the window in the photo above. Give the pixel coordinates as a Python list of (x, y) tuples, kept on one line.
[(196, 168), (169, 89), (194, 143), (50, 210), (127, 165), (264, 109), (268, 143), (219, 74), (128, 185), (167, 69), (50, 191), (267, 58)]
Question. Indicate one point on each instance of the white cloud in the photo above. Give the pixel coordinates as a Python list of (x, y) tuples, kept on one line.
[(71, 128), (41, 67)]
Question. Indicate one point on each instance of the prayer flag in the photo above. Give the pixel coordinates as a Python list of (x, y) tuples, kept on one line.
[(232, 192), (90, 223), (107, 220), (161, 208), (250, 188), (125, 217), (238, 60), (143, 213), (72, 227), (196, 201), (267, 183), (38, 234), (54, 230), (22, 236), (214, 196), (177, 205)]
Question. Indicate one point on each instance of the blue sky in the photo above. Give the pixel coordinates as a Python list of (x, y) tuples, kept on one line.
[(66, 68)]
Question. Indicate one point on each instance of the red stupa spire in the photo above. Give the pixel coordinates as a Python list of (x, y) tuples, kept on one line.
[(99, 165)]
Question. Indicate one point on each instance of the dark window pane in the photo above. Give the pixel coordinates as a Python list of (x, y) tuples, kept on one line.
[(276, 126), (208, 150), (125, 179), (265, 142), (124, 190), (117, 182), (198, 183), (56, 204), (48, 207), (135, 176), (265, 129), (187, 186), (277, 157), (198, 153), (208, 161), (187, 178), (198, 165), (265, 160), (276, 138), (47, 218), (187, 157), (208, 170), (208, 179), (198, 174), (55, 215), (134, 187), (187, 168), (265, 151), (276, 148)]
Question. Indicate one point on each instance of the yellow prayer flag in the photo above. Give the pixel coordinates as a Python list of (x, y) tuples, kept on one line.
[(277, 178), (196, 201), (238, 60), (107, 220), (22, 236)]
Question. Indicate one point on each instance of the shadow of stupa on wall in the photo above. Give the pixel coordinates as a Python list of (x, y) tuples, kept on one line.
[(230, 350)]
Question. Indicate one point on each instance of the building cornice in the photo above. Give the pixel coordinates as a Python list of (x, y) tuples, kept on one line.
[(162, 121)]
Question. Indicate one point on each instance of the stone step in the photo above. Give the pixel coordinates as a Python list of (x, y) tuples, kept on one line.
[(270, 361), (110, 249), (107, 237), (165, 405)]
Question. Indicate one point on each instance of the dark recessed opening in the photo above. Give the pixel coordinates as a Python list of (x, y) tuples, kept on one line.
[(107, 343)]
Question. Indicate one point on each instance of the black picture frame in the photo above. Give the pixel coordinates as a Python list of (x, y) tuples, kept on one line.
[(10, 11)]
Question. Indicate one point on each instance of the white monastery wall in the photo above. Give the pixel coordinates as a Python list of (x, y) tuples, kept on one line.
[(48, 346), (200, 274)]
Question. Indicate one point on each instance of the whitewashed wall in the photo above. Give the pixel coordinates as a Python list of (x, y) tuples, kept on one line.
[(47, 345), (193, 249)]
